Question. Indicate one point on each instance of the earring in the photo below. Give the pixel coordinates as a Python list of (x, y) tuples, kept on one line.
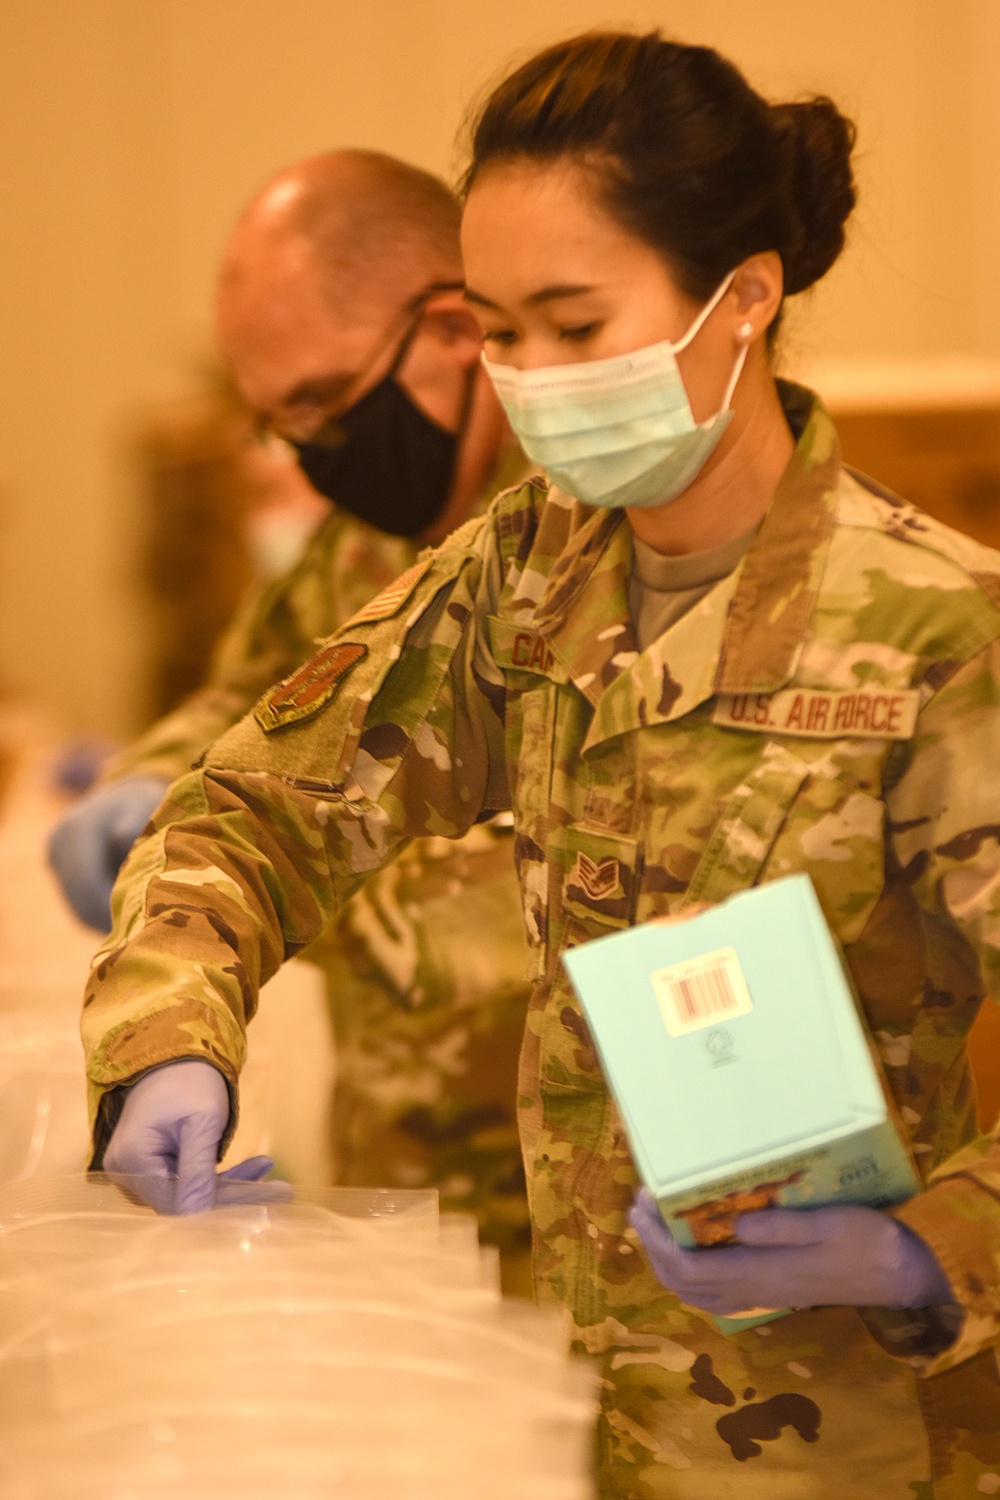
[(746, 332)]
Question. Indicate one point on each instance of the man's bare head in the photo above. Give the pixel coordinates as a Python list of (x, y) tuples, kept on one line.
[(338, 275), (333, 249), (371, 219)]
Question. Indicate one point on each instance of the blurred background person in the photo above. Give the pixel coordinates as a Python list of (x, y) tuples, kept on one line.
[(339, 310)]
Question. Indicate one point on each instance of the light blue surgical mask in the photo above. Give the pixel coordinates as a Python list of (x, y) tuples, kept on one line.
[(616, 432)]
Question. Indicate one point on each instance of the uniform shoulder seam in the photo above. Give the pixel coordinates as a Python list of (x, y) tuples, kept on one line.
[(864, 502), (530, 490)]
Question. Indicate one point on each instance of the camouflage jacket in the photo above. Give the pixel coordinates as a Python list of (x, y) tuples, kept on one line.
[(343, 565), (427, 1033), (830, 707)]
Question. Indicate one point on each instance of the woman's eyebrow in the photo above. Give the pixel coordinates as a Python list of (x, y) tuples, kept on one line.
[(553, 293), (545, 294)]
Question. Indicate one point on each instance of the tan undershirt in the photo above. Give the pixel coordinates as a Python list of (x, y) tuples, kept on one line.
[(662, 589)]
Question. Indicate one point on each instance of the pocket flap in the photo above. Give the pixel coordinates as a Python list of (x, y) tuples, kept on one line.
[(750, 823), (602, 876), (522, 648)]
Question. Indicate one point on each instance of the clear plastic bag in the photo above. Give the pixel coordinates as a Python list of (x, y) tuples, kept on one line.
[(346, 1342), (223, 1456), (43, 1109)]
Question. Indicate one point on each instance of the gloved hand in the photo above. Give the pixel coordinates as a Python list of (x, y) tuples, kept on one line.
[(88, 847), (166, 1144), (797, 1257)]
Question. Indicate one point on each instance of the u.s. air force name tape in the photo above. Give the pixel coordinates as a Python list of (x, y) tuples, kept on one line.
[(882, 713)]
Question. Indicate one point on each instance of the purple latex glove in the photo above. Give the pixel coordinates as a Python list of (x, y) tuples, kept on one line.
[(797, 1257), (88, 846), (166, 1144)]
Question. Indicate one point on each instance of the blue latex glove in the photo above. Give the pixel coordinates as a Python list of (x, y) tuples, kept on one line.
[(797, 1257), (166, 1144), (88, 847)]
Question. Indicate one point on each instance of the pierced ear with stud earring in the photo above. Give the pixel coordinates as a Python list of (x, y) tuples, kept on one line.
[(746, 332)]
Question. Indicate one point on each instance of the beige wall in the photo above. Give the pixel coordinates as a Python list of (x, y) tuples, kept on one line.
[(132, 130)]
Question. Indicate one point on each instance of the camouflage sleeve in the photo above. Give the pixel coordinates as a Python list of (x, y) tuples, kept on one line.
[(944, 829), (276, 628), (393, 729)]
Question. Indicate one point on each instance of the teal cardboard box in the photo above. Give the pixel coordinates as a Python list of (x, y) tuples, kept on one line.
[(741, 1067)]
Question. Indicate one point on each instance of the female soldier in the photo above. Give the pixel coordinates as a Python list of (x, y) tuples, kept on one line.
[(701, 657)]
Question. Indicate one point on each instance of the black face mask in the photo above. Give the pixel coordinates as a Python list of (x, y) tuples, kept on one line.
[(383, 459)]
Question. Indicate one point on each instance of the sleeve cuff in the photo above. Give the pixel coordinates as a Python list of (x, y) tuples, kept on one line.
[(960, 1222), (184, 1029)]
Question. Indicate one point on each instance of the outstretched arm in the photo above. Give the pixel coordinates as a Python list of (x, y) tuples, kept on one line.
[(394, 729)]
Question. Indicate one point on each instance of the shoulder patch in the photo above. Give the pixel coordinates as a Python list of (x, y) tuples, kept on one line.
[(305, 692), (391, 599)]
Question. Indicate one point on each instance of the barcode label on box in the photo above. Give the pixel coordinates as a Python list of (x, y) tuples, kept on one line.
[(701, 992)]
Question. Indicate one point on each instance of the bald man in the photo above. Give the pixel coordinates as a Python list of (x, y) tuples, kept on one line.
[(339, 310), (340, 297)]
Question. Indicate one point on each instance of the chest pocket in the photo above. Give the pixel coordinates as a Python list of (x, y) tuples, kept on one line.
[(603, 871), (600, 894), (533, 679), (751, 820)]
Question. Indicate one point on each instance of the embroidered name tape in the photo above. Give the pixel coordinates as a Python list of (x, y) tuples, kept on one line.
[(524, 649), (873, 712), (305, 692), (529, 649), (392, 598)]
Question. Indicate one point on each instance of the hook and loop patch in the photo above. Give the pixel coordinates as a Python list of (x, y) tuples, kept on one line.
[(392, 598), (307, 690)]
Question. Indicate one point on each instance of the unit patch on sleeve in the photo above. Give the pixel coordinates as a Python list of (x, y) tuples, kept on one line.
[(305, 692), (880, 713)]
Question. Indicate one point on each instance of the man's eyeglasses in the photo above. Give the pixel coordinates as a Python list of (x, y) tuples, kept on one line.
[(319, 422)]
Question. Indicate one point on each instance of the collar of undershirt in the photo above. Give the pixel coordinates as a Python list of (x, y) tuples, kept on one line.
[(676, 574)]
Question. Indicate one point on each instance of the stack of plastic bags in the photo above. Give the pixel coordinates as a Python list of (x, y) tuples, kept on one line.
[(348, 1343), (43, 1106)]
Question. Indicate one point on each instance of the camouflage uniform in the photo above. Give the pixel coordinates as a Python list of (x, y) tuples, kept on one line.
[(427, 1022), (829, 707)]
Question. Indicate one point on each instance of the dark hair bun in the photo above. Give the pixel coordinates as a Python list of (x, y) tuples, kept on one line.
[(685, 153), (820, 140)]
